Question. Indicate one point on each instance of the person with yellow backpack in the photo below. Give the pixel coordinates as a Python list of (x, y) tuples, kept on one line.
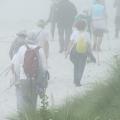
[(79, 49)]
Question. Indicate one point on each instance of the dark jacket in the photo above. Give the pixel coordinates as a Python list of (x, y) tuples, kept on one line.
[(66, 12)]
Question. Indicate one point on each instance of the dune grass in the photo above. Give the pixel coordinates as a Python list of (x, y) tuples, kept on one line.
[(101, 103)]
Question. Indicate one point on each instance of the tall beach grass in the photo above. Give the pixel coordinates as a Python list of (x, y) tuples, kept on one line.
[(100, 103)]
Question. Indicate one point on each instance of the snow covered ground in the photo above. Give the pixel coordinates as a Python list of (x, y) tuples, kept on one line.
[(61, 71)]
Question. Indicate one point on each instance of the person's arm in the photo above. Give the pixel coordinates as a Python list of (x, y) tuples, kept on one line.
[(12, 48), (12, 67), (46, 49), (70, 46), (46, 44), (12, 64), (72, 43)]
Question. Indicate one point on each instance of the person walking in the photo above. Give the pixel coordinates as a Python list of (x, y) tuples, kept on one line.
[(66, 12), (79, 49), (99, 17), (99, 25), (27, 66), (17, 43)]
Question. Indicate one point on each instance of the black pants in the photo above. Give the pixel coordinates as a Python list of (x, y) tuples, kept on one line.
[(79, 61), (64, 36)]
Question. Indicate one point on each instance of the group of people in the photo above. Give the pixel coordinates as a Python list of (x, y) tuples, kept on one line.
[(29, 55), (29, 52)]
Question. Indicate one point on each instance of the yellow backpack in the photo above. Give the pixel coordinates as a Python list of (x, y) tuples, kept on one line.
[(81, 45)]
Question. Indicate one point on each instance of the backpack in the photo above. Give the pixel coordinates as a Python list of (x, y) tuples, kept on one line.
[(81, 45), (98, 11), (31, 62)]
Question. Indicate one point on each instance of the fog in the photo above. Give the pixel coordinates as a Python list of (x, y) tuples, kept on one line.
[(19, 14), (23, 14), (16, 15)]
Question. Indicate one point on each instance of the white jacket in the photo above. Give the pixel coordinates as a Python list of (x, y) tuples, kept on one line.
[(18, 60)]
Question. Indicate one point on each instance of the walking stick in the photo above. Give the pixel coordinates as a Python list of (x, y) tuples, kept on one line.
[(5, 70)]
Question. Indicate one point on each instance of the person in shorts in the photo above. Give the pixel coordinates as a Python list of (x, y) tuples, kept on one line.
[(99, 15)]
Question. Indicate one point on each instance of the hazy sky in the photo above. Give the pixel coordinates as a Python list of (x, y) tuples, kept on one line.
[(23, 13), (27, 9)]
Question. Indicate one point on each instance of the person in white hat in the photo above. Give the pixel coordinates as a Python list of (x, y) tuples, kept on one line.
[(26, 87), (17, 43)]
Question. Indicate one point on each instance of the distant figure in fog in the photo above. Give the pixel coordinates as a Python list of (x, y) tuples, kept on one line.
[(98, 13), (17, 43), (42, 36), (117, 18), (66, 13), (79, 49), (52, 17)]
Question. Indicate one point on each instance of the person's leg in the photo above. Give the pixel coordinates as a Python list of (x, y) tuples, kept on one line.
[(29, 96), (99, 42), (75, 73), (22, 98), (98, 49), (53, 24), (34, 96), (68, 31), (61, 37), (94, 41), (100, 39), (75, 62), (81, 67), (19, 99)]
